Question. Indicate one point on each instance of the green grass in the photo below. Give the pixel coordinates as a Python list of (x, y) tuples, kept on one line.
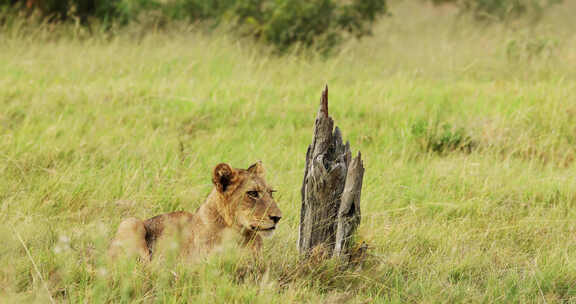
[(94, 129)]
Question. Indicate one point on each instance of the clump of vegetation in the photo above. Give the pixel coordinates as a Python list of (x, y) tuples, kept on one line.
[(441, 138), (530, 48), (59, 10), (501, 10), (318, 23)]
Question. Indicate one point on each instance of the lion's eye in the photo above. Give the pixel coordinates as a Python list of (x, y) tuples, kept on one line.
[(253, 194)]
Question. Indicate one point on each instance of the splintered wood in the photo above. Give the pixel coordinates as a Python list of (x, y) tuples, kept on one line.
[(331, 190)]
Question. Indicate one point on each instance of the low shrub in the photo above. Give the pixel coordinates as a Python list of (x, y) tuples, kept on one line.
[(501, 10), (529, 48), (441, 138)]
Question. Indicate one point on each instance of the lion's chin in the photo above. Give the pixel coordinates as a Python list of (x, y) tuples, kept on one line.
[(263, 232), (266, 233)]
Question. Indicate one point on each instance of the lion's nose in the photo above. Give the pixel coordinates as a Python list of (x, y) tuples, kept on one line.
[(276, 219)]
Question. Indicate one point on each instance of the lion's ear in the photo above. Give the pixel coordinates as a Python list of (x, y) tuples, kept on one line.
[(223, 177), (257, 169)]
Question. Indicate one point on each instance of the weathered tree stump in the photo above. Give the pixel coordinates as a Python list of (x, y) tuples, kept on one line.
[(331, 190)]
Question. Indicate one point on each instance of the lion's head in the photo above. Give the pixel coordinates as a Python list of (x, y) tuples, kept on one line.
[(247, 201)]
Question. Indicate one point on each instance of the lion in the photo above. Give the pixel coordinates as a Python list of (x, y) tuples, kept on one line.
[(241, 204)]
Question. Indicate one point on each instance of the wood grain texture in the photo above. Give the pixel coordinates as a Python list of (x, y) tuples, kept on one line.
[(331, 189)]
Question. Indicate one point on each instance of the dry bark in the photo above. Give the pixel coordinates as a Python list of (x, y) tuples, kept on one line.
[(331, 190)]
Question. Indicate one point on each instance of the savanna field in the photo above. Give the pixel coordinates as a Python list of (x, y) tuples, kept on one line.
[(467, 131)]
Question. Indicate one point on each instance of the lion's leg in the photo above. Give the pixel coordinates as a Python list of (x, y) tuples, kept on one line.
[(130, 240)]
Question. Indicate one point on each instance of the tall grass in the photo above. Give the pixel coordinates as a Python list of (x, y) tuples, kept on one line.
[(97, 127)]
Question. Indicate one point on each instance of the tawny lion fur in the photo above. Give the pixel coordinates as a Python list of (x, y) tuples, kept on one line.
[(240, 204)]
